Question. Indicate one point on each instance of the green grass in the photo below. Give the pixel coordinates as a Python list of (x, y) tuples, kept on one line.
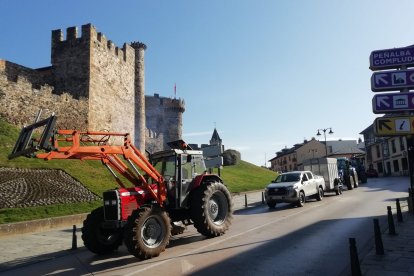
[(240, 178), (246, 177)]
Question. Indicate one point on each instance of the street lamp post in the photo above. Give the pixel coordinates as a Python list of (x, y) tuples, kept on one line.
[(324, 135)]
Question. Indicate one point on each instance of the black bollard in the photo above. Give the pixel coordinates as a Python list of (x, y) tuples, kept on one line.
[(245, 200), (399, 214), (355, 267), (263, 198), (379, 247), (74, 239), (391, 226)]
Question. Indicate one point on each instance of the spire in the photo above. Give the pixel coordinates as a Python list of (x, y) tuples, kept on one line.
[(215, 138)]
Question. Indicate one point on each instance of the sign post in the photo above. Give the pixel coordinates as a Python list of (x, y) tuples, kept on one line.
[(392, 58), (403, 102), (393, 102), (392, 80)]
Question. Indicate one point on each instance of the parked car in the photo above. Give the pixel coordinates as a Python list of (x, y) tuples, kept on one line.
[(371, 172), (294, 187)]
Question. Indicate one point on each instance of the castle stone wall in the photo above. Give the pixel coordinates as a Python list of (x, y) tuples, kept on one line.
[(22, 95), (111, 88)]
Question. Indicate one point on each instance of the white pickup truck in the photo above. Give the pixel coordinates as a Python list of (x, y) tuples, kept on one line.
[(294, 187)]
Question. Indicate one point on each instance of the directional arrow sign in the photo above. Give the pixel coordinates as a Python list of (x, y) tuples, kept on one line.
[(392, 58), (392, 80), (393, 102), (394, 126)]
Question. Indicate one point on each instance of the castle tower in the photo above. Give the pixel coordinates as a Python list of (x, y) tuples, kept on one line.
[(92, 67), (139, 95), (71, 61), (163, 121), (174, 109)]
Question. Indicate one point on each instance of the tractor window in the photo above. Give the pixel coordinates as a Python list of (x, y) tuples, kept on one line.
[(186, 170), (166, 166), (192, 165), (198, 165)]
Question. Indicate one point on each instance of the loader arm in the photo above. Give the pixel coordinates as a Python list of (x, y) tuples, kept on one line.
[(91, 145)]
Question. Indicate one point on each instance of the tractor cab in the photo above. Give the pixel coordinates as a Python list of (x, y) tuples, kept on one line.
[(179, 167)]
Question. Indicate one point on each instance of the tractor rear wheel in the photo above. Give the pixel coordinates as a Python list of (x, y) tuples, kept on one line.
[(349, 182), (355, 180), (211, 209), (98, 239), (147, 232)]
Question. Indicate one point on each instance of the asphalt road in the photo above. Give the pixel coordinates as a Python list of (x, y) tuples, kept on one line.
[(312, 240)]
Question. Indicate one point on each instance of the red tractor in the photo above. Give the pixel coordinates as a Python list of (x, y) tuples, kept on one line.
[(173, 188)]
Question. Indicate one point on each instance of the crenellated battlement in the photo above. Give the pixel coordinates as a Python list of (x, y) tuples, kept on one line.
[(89, 38), (175, 105), (167, 103)]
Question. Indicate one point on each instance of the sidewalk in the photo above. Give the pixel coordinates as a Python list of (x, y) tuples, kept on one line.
[(398, 258)]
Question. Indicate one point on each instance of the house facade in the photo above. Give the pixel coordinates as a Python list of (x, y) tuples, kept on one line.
[(289, 159), (387, 155)]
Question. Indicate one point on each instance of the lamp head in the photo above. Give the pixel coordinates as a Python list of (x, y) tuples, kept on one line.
[(318, 134)]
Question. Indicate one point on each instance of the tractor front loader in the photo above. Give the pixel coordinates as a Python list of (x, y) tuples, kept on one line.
[(173, 188)]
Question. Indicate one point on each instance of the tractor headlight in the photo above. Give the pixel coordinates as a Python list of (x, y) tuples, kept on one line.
[(110, 202)]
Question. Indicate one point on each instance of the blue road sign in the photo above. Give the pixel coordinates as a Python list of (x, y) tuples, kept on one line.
[(393, 102), (392, 58), (392, 80)]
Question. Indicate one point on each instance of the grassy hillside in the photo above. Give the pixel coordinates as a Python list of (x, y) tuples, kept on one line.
[(246, 177), (94, 176)]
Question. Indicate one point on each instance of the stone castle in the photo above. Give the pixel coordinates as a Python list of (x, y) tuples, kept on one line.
[(91, 85)]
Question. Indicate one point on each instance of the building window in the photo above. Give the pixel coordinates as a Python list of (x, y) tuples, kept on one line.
[(393, 148), (402, 146), (404, 163), (396, 166), (385, 150), (377, 147), (330, 149), (380, 168)]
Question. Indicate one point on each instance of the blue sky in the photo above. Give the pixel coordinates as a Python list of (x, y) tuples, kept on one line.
[(268, 74)]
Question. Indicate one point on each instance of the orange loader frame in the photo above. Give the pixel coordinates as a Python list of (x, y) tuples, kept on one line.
[(92, 145)]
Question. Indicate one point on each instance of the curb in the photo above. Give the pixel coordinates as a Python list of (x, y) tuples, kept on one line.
[(39, 225)]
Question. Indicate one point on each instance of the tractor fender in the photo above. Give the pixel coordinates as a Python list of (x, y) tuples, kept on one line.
[(203, 178)]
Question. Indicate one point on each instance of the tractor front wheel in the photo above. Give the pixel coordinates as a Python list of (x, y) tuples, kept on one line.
[(147, 232), (211, 209), (98, 239)]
